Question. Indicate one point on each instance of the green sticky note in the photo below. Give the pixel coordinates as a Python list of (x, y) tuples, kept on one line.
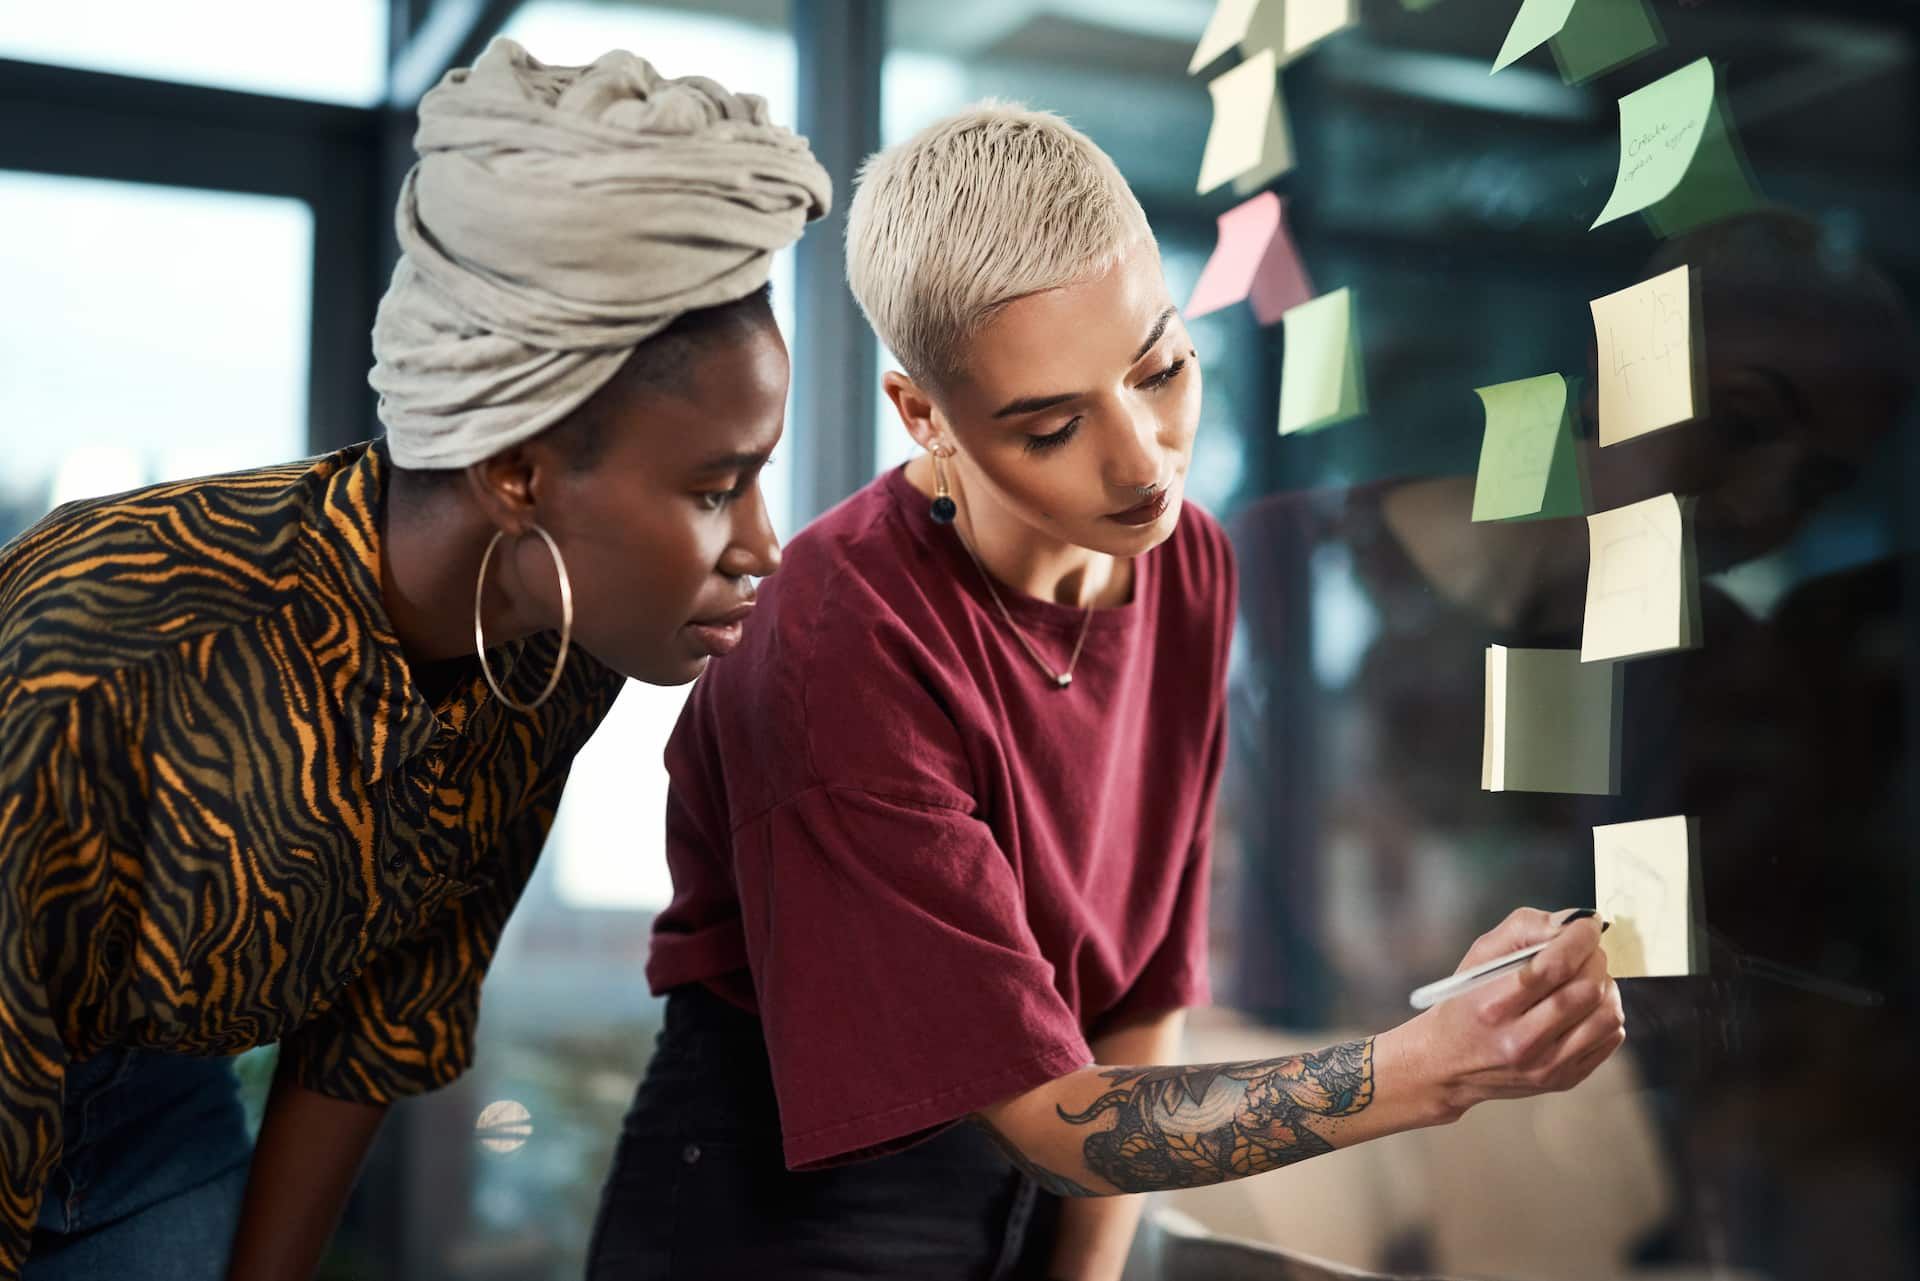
[(1588, 36), (1320, 379), (1600, 35), (1537, 22), (1528, 469), (1679, 162)]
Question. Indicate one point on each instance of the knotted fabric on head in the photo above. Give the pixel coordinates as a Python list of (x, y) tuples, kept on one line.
[(557, 218)]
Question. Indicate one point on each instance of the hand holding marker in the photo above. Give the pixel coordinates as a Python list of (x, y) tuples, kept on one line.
[(1465, 981)]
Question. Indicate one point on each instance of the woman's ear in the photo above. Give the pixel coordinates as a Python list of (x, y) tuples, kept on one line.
[(506, 486), (914, 406)]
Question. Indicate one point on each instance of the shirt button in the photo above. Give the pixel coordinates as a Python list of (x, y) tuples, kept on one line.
[(690, 1153)]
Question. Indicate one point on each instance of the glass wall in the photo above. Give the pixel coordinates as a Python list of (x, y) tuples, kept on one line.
[(1753, 1126), (1761, 1122)]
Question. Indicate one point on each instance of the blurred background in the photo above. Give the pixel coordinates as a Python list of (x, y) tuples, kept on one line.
[(195, 226)]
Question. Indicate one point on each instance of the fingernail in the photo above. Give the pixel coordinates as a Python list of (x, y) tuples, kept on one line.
[(1579, 914)]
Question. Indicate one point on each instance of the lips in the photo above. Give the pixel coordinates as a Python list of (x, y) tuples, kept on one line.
[(720, 634), (1147, 512)]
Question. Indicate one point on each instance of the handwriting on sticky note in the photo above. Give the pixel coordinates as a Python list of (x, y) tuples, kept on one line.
[(1247, 133), (1643, 343), (1643, 884), (1527, 468), (1660, 130), (1638, 598)]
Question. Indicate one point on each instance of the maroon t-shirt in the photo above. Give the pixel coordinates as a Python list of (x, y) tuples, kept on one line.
[(933, 873)]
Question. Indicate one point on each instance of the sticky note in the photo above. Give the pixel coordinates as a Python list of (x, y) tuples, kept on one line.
[(1643, 582), (1588, 36), (1249, 25), (1249, 139), (1647, 886), (1308, 22), (1537, 22), (1528, 468), (1679, 160), (1320, 378), (1645, 357), (1253, 258), (1552, 723)]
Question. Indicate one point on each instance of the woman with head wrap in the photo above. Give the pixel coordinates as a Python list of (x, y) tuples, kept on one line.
[(278, 749)]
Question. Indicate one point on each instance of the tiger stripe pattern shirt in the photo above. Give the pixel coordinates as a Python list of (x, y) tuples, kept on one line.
[(229, 814)]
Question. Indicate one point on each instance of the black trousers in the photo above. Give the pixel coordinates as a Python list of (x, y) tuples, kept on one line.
[(699, 1190)]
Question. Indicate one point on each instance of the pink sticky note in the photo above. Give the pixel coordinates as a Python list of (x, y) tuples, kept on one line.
[(1254, 258)]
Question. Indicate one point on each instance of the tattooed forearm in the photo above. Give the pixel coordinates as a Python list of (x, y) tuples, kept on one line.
[(1058, 1184), (1184, 1127)]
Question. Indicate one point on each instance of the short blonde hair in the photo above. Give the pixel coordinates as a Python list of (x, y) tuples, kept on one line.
[(985, 206)]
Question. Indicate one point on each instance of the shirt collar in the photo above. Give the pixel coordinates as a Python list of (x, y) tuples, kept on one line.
[(363, 669)]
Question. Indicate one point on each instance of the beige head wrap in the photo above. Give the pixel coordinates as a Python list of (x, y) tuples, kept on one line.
[(557, 218)]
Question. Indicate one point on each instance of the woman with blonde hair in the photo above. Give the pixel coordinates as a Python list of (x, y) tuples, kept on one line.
[(939, 831)]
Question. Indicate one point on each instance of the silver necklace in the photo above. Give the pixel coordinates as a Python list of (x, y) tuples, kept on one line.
[(1061, 679)]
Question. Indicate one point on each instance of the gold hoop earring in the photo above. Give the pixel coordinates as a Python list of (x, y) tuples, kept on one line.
[(566, 621), (943, 510)]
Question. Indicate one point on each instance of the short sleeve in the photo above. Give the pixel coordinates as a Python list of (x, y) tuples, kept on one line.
[(35, 775), (406, 1024), (899, 985)]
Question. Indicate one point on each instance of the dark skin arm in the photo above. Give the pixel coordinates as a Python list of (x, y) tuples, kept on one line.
[(304, 1165)]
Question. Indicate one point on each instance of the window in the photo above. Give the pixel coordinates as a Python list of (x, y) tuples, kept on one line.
[(151, 333), (333, 52), (1357, 856)]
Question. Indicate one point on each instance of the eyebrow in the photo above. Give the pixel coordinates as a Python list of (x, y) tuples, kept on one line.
[(729, 462), (1153, 335), (1034, 404)]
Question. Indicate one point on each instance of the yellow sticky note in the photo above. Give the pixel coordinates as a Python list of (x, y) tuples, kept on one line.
[(1643, 347), (1647, 885), (1528, 469), (1249, 25), (1249, 139), (1552, 723), (1308, 22), (1679, 161), (1320, 378), (1643, 589)]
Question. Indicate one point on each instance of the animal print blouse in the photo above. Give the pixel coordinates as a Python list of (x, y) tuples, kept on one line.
[(228, 814)]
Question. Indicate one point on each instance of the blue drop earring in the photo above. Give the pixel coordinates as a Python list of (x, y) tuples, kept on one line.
[(943, 510)]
